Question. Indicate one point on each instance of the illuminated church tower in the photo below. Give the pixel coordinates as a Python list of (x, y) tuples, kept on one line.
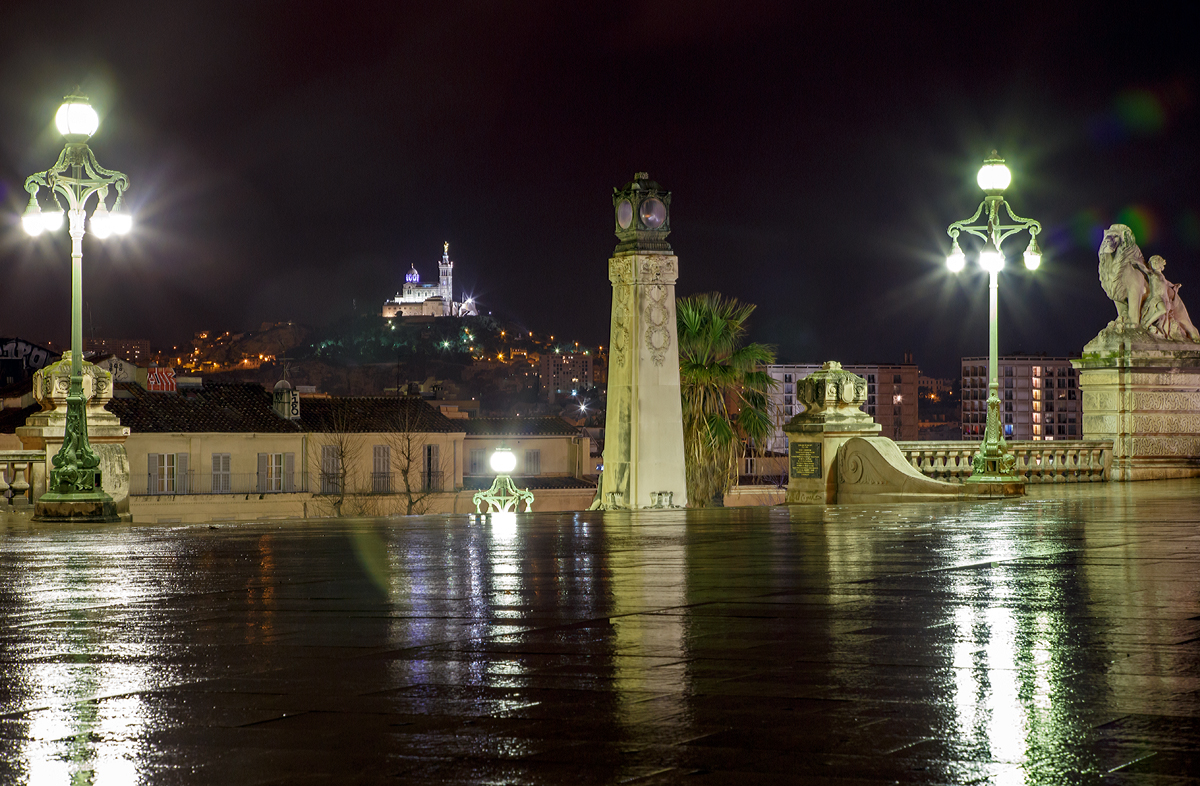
[(446, 273)]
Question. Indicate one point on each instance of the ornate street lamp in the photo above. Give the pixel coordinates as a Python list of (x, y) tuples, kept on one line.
[(73, 490), (993, 463), (503, 496)]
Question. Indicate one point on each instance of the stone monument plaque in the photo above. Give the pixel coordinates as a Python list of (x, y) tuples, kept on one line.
[(804, 460)]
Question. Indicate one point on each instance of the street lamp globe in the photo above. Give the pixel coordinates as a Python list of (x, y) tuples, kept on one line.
[(991, 261), (994, 176), (76, 119), (101, 225), (956, 260), (32, 220), (52, 216), (1033, 254), (503, 461)]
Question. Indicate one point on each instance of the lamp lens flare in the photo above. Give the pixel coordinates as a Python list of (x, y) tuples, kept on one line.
[(991, 261), (76, 118), (121, 223), (1032, 260), (956, 261)]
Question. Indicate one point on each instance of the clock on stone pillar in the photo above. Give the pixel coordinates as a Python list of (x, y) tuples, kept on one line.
[(642, 212)]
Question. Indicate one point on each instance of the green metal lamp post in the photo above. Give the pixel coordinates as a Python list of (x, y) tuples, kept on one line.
[(73, 489), (993, 463)]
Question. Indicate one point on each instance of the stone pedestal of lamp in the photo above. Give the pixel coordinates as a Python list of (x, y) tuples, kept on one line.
[(44, 430)]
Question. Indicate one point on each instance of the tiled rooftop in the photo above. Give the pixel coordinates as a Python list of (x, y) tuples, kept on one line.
[(517, 427), (213, 408), (373, 414)]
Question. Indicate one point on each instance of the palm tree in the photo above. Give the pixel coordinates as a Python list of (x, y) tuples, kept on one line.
[(723, 388)]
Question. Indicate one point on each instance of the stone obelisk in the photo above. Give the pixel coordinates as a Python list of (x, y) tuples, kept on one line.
[(643, 428)]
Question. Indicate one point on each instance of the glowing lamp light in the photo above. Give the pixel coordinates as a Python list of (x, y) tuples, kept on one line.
[(503, 461), (991, 261), (32, 220), (120, 221), (101, 222), (52, 219), (957, 260), (1033, 254), (994, 176), (76, 120)]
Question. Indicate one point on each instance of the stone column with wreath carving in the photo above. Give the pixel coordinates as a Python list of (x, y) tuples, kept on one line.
[(643, 447)]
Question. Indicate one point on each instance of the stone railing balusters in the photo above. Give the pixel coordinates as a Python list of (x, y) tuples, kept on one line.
[(1069, 461), (16, 466)]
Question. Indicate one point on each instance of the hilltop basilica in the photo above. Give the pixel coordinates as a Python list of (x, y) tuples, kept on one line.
[(431, 300)]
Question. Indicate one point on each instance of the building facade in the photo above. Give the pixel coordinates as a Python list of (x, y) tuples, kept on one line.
[(563, 374), (419, 298), (891, 397), (1039, 397), (550, 452)]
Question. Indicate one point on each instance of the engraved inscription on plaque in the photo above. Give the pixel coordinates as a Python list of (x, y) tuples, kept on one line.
[(804, 460)]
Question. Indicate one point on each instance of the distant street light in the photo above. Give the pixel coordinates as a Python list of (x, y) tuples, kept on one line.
[(993, 463), (503, 496), (74, 489)]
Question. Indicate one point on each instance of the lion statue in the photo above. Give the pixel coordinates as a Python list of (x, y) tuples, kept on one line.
[(1145, 299), (1123, 274)]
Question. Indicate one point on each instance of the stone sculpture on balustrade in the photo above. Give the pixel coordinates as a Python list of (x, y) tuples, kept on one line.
[(1140, 376)]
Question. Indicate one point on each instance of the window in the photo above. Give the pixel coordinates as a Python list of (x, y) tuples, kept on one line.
[(432, 477), (275, 471), (787, 378), (167, 473), (222, 480), (331, 470), (381, 469), (533, 462), (477, 462), (896, 379), (1008, 371)]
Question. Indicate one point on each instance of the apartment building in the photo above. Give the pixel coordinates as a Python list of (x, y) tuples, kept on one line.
[(1039, 397)]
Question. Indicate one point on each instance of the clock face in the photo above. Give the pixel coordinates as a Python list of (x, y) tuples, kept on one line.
[(624, 214), (654, 213)]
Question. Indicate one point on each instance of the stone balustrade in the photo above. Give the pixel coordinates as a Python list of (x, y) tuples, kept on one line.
[(18, 471), (1066, 461)]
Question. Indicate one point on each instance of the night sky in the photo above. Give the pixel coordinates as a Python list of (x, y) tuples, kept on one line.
[(292, 160)]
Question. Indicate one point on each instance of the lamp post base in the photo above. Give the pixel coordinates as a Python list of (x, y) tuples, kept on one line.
[(94, 507)]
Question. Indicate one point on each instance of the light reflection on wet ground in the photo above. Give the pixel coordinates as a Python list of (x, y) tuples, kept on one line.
[(1050, 640)]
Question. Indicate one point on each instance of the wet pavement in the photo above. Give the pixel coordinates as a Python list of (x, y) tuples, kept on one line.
[(1050, 640)]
